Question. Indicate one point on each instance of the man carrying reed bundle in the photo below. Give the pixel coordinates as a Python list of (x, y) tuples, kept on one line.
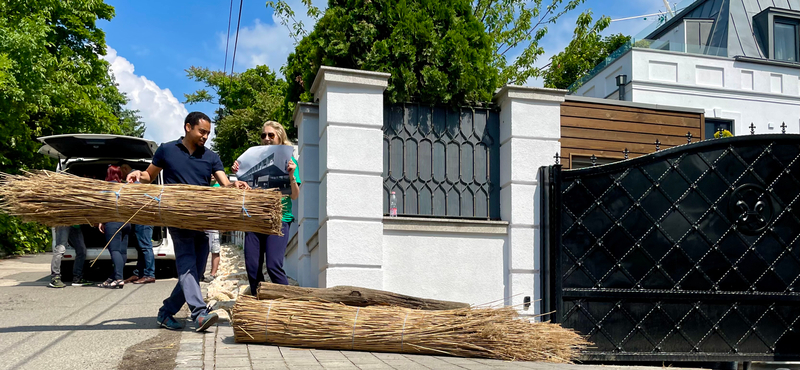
[(187, 161)]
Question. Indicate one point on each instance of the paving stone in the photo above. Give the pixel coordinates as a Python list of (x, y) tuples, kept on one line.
[(406, 364), (191, 347), (337, 364), (389, 356), (234, 368), (380, 366), (232, 361), (269, 366), (192, 363), (305, 366), (458, 360)]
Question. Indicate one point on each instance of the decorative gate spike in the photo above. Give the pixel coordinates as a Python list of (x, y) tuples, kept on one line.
[(658, 145), (556, 157), (689, 137), (594, 160), (783, 127), (625, 152), (719, 132), (752, 128)]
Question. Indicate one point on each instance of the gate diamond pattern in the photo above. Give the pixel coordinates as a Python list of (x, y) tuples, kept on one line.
[(688, 253)]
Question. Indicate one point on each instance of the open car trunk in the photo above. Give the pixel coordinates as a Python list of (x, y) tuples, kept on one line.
[(97, 146)]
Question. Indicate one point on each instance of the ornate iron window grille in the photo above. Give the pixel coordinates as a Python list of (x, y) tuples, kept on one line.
[(442, 162)]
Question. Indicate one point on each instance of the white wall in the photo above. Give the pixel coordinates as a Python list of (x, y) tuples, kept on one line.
[(745, 92), (446, 266), (343, 238)]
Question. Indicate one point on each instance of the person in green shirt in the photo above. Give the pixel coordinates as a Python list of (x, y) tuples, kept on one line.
[(260, 248)]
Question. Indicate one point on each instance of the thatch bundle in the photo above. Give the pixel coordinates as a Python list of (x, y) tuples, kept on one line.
[(57, 199), (468, 332)]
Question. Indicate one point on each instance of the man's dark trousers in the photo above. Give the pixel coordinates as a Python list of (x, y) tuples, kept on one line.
[(191, 254)]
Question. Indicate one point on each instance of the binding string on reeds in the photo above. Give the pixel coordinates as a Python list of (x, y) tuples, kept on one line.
[(59, 199), (468, 332)]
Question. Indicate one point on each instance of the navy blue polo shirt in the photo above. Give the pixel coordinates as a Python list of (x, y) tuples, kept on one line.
[(180, 167)]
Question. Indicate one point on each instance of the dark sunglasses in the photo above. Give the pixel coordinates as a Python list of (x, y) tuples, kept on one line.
[(271, 135)]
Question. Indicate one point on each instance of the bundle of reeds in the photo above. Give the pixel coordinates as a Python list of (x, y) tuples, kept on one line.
[(58, 199), (467, 332)]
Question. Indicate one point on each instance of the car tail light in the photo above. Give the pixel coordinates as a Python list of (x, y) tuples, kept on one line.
[(162, 255), (67, 256)]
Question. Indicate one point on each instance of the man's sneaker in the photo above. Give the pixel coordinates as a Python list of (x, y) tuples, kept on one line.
[(56, 282), (169, 322), (205, 320), (81, 282)]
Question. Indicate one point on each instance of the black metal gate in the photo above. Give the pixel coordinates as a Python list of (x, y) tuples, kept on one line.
[(687, 254)]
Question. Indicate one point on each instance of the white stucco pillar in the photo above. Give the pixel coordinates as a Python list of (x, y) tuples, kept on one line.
[(306, 119), (350, 176), (530, 127)]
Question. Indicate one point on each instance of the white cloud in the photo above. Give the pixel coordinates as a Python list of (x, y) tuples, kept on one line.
[(266, 44), (161, 112)]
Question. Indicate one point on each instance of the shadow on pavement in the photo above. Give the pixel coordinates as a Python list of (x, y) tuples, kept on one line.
[(135, 323)]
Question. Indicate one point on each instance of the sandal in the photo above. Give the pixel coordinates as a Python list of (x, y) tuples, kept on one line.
[(112, 284), (106, 283), (117, 284)]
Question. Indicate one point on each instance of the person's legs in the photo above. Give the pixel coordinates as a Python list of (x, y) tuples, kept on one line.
[(188, 244), (213, 240), (117, 234), (254, 249), (62, 238), (147, 263), (77, 242), (276, 249)]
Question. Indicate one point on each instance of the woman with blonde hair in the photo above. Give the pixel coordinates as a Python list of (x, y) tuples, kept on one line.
[(260, 248)]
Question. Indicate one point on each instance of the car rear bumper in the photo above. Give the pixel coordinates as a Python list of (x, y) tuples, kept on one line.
[(161, 253)]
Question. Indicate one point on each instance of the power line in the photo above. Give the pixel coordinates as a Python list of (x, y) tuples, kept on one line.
[(236, 42), (228, 38), (227, 41)]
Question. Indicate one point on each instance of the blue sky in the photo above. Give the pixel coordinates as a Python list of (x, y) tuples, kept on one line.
[(152, 43)]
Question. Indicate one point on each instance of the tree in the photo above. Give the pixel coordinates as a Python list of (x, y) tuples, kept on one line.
[(246, 100), (436, 51), (586, 50), (52, 81), (514, 29), (518, 26)]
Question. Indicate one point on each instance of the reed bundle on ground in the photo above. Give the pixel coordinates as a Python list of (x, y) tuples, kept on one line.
[(353, 296), (467, 332), (58, 199)]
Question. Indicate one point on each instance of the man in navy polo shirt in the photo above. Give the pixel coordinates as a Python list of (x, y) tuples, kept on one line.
[(187, 161)]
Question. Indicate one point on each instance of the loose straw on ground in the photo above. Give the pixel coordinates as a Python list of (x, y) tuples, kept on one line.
[(468, 332), (58, 199)]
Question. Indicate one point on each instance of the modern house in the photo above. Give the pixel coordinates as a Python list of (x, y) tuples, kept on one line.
[(738, 60)]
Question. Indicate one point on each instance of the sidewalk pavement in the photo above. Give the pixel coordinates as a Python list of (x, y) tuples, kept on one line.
[(216, 350)]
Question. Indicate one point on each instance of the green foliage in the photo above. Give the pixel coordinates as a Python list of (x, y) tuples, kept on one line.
[(436, 51), (52, 81), (516, 25), (21, 237), (246, 101), (586, 50), (416, 40)]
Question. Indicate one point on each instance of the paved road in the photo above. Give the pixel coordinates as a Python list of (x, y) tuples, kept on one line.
[(73, 327)]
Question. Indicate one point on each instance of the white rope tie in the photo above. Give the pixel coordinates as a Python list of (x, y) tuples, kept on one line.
[(244, 209), (402, 332), (353, 344), (266, 324)]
